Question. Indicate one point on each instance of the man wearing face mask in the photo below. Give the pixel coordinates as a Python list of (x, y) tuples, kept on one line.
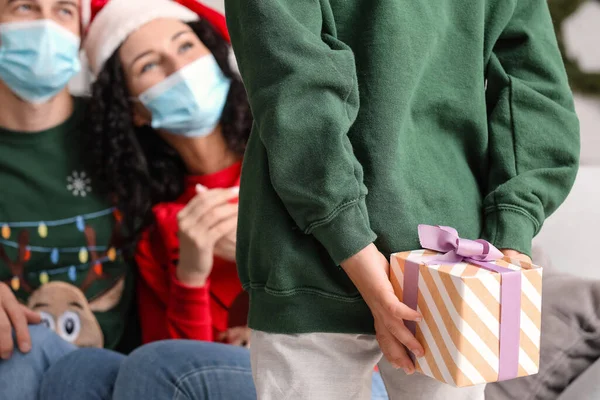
[(52, 226)]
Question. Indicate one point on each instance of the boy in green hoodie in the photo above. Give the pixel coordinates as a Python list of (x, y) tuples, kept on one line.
[(452, 113)]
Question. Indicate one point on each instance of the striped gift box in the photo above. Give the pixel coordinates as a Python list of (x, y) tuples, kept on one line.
[(462, 330)]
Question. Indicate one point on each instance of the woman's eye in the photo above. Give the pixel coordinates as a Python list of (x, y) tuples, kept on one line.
[(147, 67), (66, 12), (24, 8), (185, 47)]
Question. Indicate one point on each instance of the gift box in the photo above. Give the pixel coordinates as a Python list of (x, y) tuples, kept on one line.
[(481, 311)]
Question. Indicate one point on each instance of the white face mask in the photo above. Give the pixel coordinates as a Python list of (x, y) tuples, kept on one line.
[(37, 58), (190, 101)]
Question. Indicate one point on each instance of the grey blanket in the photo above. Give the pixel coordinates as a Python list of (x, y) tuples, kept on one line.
[(570, 341)]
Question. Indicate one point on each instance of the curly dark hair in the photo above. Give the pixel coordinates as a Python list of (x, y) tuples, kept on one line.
[(134, 166)]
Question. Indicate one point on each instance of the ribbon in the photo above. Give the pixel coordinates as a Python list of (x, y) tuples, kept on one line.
[(445, 240)]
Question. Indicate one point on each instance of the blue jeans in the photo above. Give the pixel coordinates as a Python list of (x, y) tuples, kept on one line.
[(176, 369), (378, 391), (20, 376)]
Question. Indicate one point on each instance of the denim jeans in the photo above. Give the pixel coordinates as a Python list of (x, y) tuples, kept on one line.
[(20, 376), (175, 369), (378, 391)]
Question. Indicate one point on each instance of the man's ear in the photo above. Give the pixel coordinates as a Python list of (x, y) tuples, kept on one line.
[(110, 298)]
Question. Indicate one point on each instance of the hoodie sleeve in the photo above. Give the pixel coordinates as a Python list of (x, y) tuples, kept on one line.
[(302, 87), (533, 129)]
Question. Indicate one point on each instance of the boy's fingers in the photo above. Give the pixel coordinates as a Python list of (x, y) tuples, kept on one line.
[(515, 254), (393, 350), (398, 310), (393, 316), (401, 333)]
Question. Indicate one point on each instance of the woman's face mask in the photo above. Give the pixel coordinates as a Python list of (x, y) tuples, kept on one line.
[(175, 77), (37, 58), (190, 101)]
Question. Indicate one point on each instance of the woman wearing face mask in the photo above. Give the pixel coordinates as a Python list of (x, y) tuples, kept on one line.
[(169, 123)]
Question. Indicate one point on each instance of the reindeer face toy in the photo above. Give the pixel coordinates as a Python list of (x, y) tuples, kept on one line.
[(66, 311)]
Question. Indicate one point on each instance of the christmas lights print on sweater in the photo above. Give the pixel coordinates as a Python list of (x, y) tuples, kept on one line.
[(90, 266)]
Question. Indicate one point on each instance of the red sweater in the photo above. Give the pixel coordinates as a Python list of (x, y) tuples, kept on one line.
[(168, 308)]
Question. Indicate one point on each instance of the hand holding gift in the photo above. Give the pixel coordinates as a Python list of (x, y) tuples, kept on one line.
[(369, 271), (516, 255), (481, 312)]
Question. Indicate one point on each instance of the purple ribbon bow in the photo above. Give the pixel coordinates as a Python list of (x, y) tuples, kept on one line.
[(445, 240)]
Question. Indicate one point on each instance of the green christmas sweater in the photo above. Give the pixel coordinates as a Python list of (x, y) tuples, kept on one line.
[(54, 226)]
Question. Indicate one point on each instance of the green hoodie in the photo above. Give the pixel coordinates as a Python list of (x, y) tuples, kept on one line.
[(374, 116)]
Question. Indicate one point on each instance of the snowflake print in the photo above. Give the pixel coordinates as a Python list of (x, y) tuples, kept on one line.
[(79, 184)]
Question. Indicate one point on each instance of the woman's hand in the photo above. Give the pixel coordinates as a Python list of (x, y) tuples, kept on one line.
[(238, 336), (225, 247), (205, 220)]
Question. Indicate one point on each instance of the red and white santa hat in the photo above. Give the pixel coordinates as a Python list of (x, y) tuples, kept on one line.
[(110, 22)]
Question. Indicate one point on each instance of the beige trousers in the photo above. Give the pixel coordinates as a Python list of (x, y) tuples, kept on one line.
[(331, 366)]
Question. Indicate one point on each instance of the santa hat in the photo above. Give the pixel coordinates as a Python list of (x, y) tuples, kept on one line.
[(112, 21)]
